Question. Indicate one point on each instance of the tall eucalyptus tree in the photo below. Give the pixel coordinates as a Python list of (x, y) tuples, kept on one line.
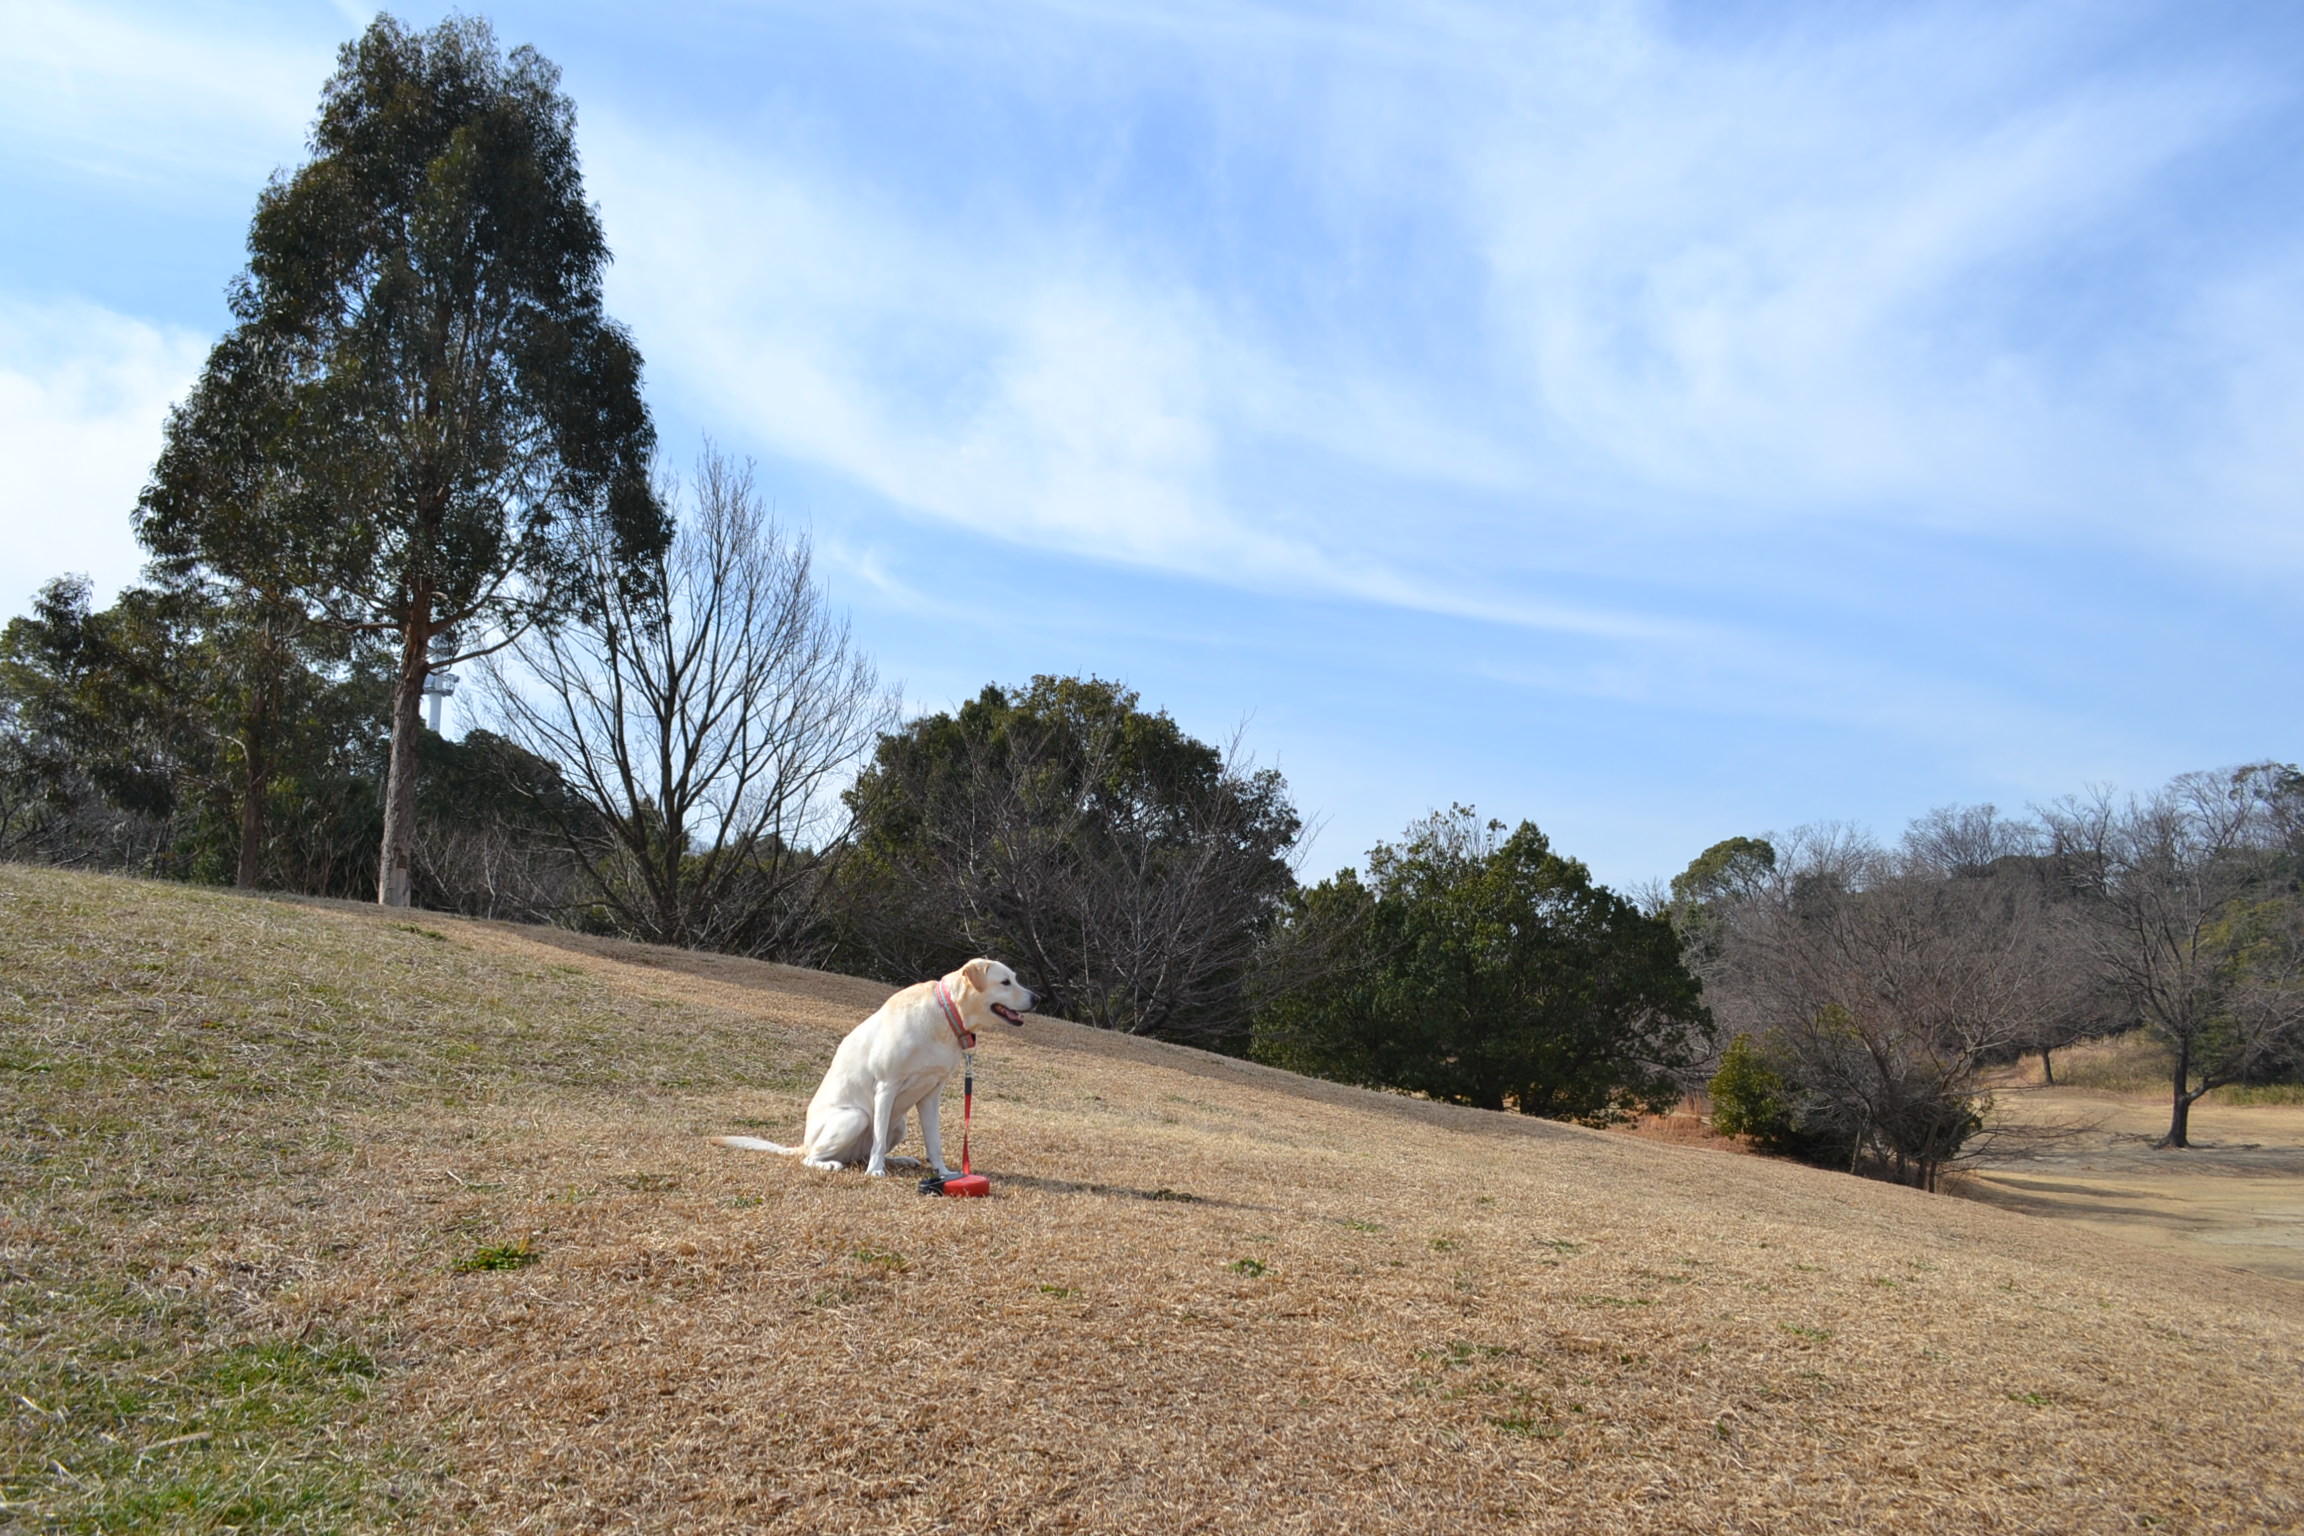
[(423, 411)]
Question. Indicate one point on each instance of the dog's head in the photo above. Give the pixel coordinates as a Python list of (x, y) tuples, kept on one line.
[(998, 986)]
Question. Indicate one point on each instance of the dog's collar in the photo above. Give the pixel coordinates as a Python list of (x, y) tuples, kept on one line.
[(966, 1036)]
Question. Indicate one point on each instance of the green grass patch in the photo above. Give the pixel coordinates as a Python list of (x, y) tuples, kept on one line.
[(129, 1412), (517, 1255)]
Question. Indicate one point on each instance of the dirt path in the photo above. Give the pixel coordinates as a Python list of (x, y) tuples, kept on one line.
[(2235, 1198)]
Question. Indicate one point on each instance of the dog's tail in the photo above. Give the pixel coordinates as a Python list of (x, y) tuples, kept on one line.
[(755, 1144)]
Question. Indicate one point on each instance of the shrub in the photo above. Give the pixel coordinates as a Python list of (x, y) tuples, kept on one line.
[(1749, 1096)]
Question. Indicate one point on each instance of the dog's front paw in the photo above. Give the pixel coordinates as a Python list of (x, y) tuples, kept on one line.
[(878, 1170)]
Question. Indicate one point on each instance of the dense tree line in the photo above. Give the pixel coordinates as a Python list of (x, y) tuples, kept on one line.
[(184, 735), (156, 736)]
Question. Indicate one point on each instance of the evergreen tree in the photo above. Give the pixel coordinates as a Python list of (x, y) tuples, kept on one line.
[(1486, 969), (422, 413)]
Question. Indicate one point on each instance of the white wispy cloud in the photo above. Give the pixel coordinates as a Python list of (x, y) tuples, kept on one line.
[(1053, 399), (1803, 276), (1815, 277), (126, 95), (83, 393)]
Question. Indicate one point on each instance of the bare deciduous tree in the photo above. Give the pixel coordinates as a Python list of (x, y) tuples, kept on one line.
[(708, 708), (1975, 842), (2189, 901), (488, 869), (1887, 981)]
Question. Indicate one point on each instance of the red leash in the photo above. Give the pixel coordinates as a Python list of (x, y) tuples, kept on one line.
[(968, 1183)]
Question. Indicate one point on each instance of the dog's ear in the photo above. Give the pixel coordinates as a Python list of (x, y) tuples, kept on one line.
[(978, 974)]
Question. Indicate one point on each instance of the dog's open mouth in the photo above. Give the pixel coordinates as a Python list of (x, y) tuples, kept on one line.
[(1008, 1013)]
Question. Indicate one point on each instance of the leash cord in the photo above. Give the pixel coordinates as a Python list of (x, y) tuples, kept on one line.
[(967, 1104)]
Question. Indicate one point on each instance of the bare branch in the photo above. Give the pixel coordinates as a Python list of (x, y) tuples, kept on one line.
[(708, 708)]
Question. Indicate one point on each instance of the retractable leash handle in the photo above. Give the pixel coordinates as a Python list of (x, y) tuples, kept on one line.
[(967, 1183)]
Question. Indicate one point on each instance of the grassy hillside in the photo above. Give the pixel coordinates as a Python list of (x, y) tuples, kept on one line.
[(321, 1219)]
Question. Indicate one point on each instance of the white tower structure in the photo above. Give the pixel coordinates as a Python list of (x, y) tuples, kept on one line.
[(440, 683)]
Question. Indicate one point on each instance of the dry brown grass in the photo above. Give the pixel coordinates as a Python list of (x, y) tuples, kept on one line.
[(2085, 1155), (2138, 1065), (1206, 1296), (1690, 1125)]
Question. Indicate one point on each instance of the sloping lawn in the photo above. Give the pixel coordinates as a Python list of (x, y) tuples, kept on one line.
[(319, 1218)]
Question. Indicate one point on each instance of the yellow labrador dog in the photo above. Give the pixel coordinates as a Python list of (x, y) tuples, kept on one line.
[(895, 1062)]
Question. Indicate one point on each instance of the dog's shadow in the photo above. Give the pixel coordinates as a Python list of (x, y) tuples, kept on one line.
[(1124, 1192)]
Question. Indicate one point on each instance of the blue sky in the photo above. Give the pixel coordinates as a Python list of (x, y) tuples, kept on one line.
[(1661, 422)]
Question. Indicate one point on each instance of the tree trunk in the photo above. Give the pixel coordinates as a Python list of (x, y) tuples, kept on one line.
[(251, 824), (2047, 1067), (2179, 1124), (394, 877), (2180, 1118)]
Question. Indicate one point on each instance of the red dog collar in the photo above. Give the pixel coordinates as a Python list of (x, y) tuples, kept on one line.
[(966, 1036)]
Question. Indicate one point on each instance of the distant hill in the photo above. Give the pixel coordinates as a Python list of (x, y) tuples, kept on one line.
[(321, 1217)]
